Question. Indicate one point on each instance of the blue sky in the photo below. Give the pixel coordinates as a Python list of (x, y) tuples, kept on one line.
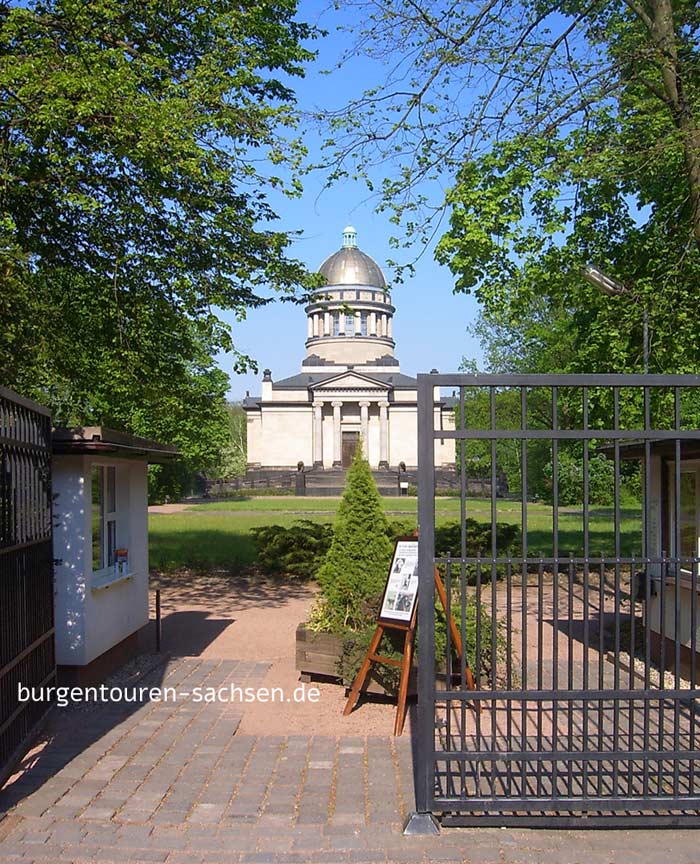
[(430, 322)]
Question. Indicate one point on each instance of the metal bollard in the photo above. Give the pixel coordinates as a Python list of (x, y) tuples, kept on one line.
[(158, 622)]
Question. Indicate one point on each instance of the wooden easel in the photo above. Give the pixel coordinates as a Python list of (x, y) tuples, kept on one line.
[(409, 631)]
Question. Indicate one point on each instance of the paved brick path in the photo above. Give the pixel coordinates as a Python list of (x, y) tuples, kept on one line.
[(172, 782)]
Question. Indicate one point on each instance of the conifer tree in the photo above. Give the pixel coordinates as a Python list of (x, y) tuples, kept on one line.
[(355, 568)]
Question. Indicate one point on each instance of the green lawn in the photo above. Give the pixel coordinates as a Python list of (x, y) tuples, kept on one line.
[(478, 507), (217, 534)]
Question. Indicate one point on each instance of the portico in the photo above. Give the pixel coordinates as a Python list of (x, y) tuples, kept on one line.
[(353, 421)]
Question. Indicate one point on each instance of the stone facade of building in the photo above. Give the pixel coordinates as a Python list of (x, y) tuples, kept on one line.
[(350, 389)]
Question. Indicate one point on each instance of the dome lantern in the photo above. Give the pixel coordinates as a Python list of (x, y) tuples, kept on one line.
[(349, 237)]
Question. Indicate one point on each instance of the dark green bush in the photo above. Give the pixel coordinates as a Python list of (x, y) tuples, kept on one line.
[(355, 568), (601, 480), (297, 551), (248, 494), (448, 538)]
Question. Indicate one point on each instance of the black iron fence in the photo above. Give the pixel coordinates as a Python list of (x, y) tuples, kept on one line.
[(26, 569), (582, 631)]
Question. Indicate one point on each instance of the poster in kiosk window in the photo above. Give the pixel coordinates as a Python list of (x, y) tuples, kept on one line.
[(401, 591)]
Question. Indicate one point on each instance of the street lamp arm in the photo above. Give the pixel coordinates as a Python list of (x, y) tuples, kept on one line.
[(607, 284)]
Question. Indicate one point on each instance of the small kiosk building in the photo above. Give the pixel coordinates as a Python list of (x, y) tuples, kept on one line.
[(100, 485)]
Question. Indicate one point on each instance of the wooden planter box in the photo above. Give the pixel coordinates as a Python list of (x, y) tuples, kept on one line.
[(318, 655)]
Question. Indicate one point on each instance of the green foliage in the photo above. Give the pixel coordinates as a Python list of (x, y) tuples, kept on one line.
[(448, 538), (297, 551), (355, 569), (134, 202), (170, 482), (221, 494), (601, 479), (232, 459), (579, 146), (477, 454), (355, 645)]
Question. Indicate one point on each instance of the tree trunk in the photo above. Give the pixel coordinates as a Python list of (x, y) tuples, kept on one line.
[(664, 36)]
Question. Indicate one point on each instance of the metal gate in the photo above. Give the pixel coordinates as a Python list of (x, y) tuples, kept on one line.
[(26, 570), (576, 597)]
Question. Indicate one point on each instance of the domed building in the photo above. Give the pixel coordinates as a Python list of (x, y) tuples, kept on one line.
[(350, 389)]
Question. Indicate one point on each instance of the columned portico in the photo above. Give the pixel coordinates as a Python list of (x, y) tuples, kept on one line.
[(337, 436)]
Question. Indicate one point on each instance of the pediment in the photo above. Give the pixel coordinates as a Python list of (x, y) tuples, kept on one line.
[(350, 380)]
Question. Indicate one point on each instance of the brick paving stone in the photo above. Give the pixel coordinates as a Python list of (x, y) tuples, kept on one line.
[(273, 858), (347, 842), (308, 838), (136, 836), (149, 855), (280, 842), (66, 832), (241, 841), (220, 857)]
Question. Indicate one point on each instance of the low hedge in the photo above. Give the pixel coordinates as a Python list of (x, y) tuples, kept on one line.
[(298, 551)]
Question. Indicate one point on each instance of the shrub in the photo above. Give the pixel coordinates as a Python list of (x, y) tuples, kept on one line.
[(354, 571), (355, 646), (601, 480), (297, 551), (448, 538), (247, 493)]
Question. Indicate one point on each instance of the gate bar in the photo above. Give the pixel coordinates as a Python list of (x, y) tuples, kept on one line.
[(422, 821)]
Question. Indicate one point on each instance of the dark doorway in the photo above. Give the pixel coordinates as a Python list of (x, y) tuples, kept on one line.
[(351, 441)]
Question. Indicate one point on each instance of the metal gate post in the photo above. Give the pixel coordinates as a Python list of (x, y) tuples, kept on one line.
[(421, 821)]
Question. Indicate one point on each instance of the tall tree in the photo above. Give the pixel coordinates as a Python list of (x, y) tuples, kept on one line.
[(139, 145), (568, 134)]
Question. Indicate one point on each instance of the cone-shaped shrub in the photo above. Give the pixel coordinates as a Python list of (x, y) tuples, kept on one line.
[(354, 571)]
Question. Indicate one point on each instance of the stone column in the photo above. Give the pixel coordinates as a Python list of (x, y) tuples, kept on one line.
[(310, 327), (364, 426), (383, 434), (372, 323), (337, 436), (326, 323), (358, 323), (318, 434), (390, 329)]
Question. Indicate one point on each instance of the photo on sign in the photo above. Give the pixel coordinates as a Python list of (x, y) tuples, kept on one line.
[(401, 592)]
